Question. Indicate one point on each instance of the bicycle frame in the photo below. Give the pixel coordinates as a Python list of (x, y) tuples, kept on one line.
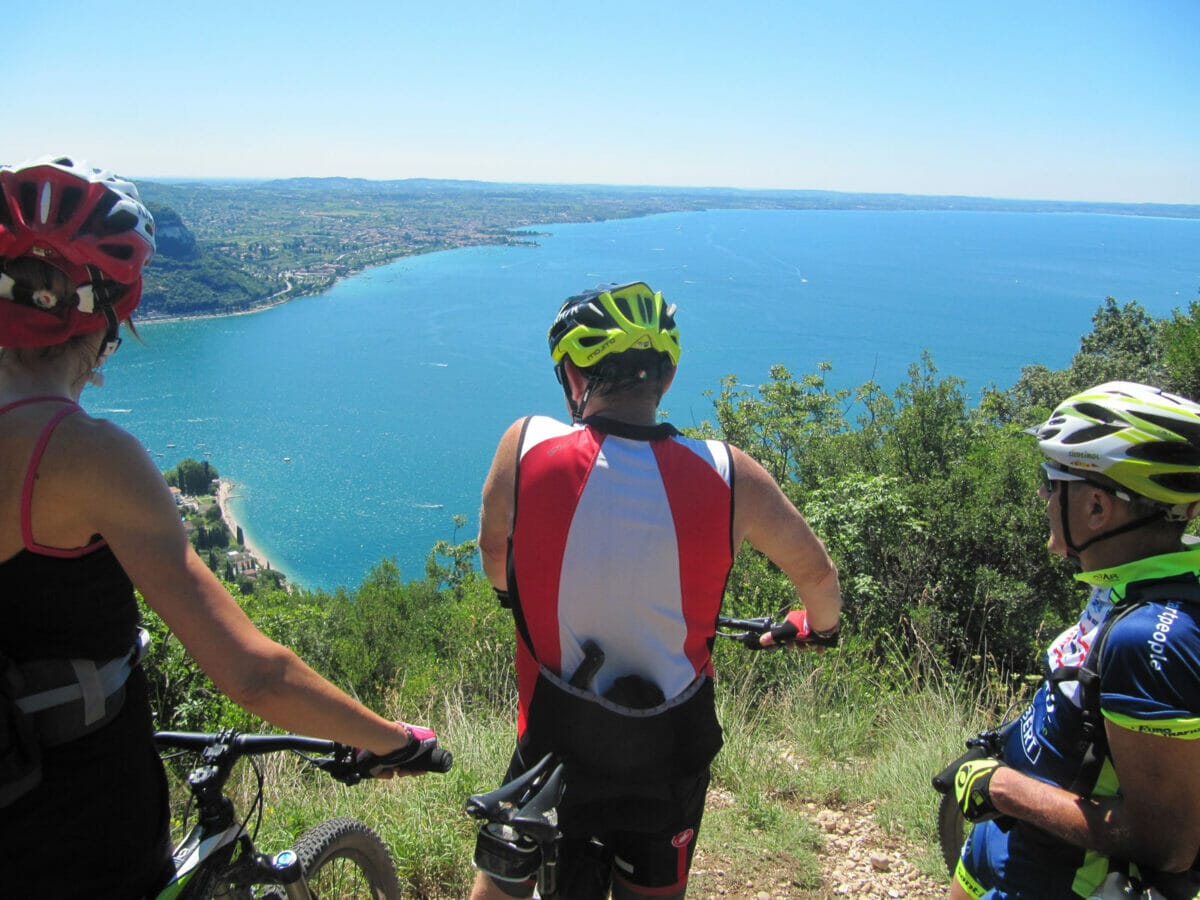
[(220, 847), (199, 849)]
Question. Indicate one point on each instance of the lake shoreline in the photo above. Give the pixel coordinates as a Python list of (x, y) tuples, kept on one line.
[(287, 296), (269, 304), (225, 492)]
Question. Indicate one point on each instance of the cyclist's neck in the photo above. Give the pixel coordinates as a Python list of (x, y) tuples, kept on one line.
[(630, 411), (39, 379)]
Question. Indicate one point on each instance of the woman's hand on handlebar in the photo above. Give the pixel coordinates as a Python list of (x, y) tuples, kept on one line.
[(421, 754), (794, 631)]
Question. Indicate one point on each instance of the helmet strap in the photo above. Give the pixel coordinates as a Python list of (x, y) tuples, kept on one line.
[(1064, 521), (112, 338), (560, 372), (101, 296), (1074, 550), (577, 413)]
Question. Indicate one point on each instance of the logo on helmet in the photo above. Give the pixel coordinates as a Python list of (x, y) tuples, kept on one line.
[(600, 350)]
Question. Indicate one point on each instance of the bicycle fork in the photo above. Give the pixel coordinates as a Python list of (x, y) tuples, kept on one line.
[(283, 869)]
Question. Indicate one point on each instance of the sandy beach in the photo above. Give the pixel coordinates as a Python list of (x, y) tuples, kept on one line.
[(225, 491)]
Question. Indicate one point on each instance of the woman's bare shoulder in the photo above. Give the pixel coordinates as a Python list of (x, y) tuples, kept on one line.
[(97, 453)]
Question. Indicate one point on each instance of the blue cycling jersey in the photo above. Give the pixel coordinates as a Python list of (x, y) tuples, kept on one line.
[(1149, 681)]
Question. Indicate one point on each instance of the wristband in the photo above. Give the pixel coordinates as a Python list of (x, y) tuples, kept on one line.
[(827, 638)]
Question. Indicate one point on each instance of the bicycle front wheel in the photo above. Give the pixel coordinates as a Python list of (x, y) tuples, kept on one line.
[(952, 830), (343, 859)]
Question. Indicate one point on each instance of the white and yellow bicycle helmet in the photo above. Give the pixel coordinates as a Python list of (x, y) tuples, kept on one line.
[(1142, 438)]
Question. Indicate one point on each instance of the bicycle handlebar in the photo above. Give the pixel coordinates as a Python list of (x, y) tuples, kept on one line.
[(750, 630), (248, 744), (341, 762)]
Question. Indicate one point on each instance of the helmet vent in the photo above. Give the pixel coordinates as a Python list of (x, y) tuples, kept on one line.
[(1189, 431), (27, 199), (1180, 482), (1091, 434), (1175, 453), (68, 203), (122, 252), (591, 315), (5, 216), (622, 303), (120, 222), (1094, 411), (97, 222)]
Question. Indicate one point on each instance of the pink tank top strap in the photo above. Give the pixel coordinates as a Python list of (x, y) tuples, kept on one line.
[(26, 401), (35, 460)]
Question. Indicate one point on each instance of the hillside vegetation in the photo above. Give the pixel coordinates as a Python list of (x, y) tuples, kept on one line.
[(928, 506)]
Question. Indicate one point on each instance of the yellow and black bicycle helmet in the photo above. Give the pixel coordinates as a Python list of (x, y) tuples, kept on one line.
[(608, 320), (1143, 438)]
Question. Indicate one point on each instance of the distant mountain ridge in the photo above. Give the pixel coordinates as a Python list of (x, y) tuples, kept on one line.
[(233, 246)]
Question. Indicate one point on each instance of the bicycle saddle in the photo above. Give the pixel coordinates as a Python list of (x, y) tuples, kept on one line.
[(527, 803)]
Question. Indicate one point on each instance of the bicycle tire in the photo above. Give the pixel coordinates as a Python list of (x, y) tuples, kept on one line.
[(952, 830), (344, 859)]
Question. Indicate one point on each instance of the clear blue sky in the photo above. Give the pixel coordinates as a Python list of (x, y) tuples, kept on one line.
[(1066, 99)]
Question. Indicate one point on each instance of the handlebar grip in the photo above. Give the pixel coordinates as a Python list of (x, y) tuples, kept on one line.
[(422, 755), (750, 642), (440, 760)]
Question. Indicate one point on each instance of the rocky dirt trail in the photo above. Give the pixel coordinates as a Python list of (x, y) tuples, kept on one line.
[(859, 860)]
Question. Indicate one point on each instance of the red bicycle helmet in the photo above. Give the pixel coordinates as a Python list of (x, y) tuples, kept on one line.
[(87, 223)]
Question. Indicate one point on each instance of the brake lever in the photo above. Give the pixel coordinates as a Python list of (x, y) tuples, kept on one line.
[(341, 766)]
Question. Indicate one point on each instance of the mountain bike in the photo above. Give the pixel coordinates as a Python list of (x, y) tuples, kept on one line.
[(519, 820), (337, 858)]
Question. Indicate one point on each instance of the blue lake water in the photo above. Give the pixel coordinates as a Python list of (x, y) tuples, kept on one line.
[(356, 424)]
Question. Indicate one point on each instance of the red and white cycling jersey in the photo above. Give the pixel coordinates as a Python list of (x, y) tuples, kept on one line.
[(622, 535)]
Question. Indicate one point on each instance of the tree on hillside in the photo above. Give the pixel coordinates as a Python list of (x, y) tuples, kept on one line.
[(929, 422), (192, 477), (1123, 345), (781, 422), (1179, 338)]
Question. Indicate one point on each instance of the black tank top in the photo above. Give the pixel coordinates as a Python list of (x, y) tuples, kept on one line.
[(98, 824)]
